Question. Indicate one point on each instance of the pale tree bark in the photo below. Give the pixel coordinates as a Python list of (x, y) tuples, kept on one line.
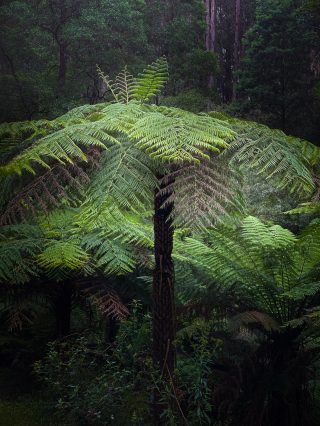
[(211, 30), (237, 44)]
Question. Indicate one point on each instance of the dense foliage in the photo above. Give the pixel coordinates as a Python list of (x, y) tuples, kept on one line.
[(159, 253)]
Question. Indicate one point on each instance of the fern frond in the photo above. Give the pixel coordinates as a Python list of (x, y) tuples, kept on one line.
[(102, 295), (111, 256), (151, 81), (172, 135), (270, 153), (18, 246), (309, 245), (63, 254), (124, 83), (108, 82), (202, 194), (305, 208), (61, 146), (59, 184), (126, 180)]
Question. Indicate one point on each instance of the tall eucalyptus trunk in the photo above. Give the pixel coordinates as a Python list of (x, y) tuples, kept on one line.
[(211, 24), (237, 45), (163, 295)]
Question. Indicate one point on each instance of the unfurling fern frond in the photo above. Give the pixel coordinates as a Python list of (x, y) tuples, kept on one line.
[(121, 89), (151, 81)]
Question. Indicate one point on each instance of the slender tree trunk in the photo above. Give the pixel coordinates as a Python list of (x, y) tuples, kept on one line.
[(63, 63), (63, 46), (211, 21), (163, 295), (63, 308), (237, 45)]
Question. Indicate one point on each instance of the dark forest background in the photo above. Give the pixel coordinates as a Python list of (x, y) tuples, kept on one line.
[(256, 59)]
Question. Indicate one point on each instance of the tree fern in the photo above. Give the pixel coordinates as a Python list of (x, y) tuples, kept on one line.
[(268, 263)]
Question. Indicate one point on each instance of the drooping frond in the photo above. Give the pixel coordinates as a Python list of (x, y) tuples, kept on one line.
[(22, 304), (126, 180), (19, 244), (111, 256), (63, 254), (151, 81), (309, 245), (101, 294), (267, 263), (202, 194), (271, 153), (44, 192), (62, 146)]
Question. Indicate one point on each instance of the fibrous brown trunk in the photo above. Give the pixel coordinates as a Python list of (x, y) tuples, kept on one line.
[(163, 295), (63, 308), (211, 18)]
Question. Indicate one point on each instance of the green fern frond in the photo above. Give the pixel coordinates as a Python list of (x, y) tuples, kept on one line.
[(63, 254), (79, 114), (305, 208), (111, 256), (266, 262), (202, 194), (126, 180), (151, 81), (309, 245), (256, 234), (61, 146), (271, 153), (172, 135), (19, 244)]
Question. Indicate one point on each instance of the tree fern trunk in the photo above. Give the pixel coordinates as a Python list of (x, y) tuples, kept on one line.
[(163, 293)]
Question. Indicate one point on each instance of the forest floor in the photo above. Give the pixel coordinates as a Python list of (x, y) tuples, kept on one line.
[(21, 401)]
